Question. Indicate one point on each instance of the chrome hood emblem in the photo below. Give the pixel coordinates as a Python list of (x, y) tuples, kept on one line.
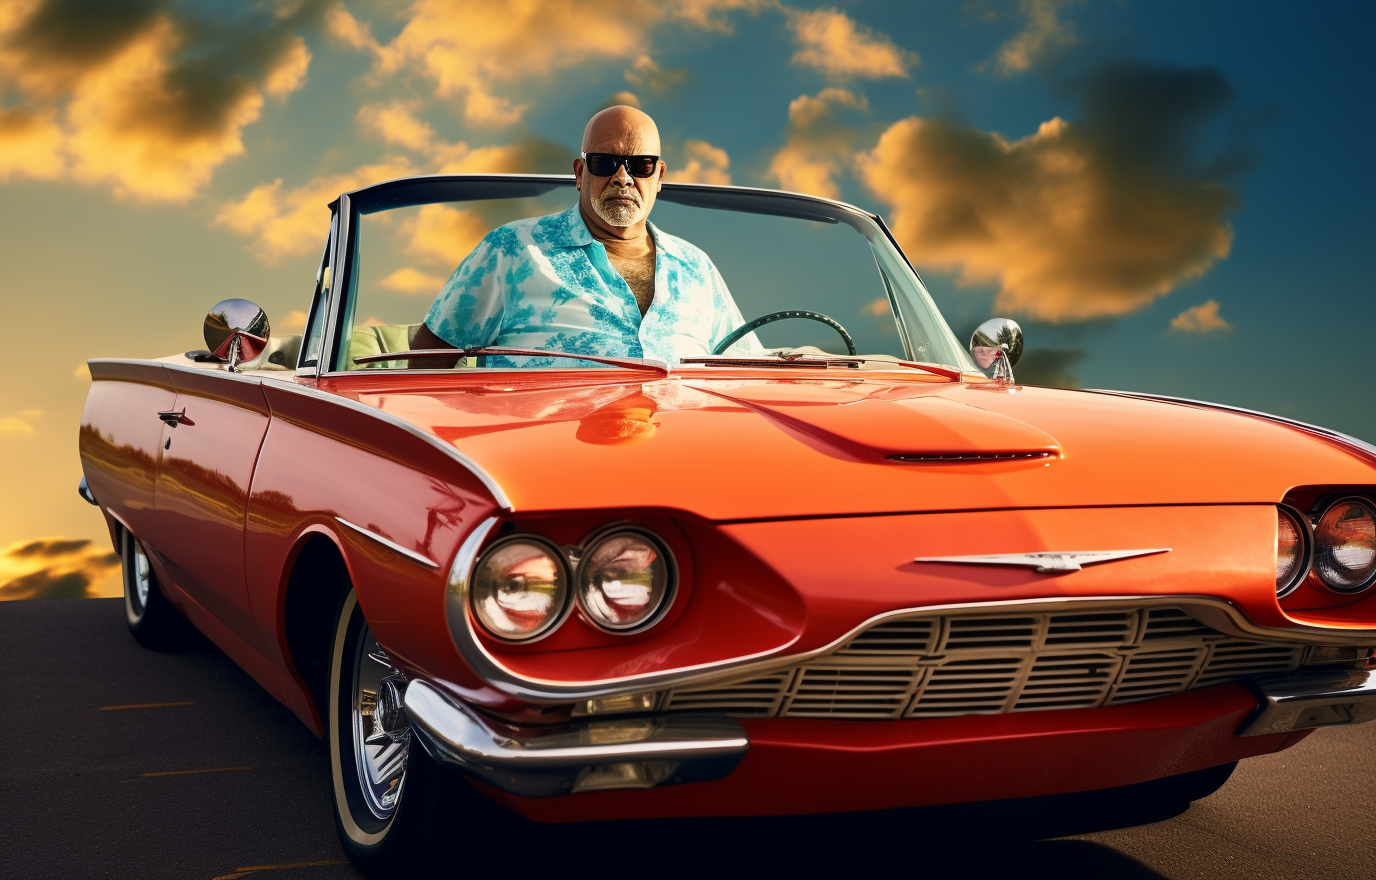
[(1047, 562)]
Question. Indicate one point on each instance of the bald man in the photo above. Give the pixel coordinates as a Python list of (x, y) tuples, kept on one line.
[(596, 279)]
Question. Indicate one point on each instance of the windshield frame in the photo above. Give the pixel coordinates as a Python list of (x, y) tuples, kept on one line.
[(450, 188)]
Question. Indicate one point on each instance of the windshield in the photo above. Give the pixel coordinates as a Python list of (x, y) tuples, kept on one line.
[(470, 260)]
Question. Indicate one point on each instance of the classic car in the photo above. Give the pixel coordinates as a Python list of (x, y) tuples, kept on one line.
[(866, 569)]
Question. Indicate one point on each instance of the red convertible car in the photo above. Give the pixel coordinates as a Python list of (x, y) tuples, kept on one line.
[(781, 583)]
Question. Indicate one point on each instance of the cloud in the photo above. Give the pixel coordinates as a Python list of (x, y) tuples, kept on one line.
[(818, 145), (285, 222), (289, 222), (292, 322), (619, 98), (647, 74), (82, 372), (149, 97), (879, 308), (57, 568), (1043, 38), (473, 49), (20, 424), (1053, 367), (412, 281), (702, 163), (1203, 318), (835, 44), (396, 123), (442, 236), (1086, 219)]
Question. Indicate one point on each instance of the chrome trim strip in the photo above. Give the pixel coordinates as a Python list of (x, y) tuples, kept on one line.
[(390, 545), (284, 383), (1211, 611), (1046, 561), (1347, 439), (1304, 700), (551, 761)]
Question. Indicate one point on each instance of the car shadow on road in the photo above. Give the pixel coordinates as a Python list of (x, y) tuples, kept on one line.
[(998, 838)]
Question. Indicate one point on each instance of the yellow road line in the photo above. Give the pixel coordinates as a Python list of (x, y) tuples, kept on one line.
[(244, 872), (189, 772), (295, 865), (144, 706)]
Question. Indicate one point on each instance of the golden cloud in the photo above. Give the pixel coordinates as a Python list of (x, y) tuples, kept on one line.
[(702, 163), (1078, 221), (21, 423), (837, 45), (1043, 37), (137, 98), (468, 47), (396, 123), (412, 281), (292, 322), (817, 145), (57, 568), (288, 222), (1203, 318), (440, 235), (616, 99), (647, 74), (879, 308)]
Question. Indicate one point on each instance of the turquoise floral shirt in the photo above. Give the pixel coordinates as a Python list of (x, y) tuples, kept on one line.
[(545, 283)]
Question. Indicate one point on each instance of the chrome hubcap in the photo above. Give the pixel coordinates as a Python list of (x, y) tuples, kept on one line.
[(142, 575), (381, 731)]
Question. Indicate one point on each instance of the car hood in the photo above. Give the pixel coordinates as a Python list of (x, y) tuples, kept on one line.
[(759, 448)]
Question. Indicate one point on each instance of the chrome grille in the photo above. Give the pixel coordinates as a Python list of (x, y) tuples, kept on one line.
[(965, 664)]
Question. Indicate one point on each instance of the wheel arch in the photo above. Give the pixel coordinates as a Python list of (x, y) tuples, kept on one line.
[(316, 580)]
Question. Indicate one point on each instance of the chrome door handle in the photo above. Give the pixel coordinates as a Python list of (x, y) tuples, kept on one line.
[(174, 418)]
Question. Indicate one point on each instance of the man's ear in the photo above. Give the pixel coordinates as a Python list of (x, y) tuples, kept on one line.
[(659, 178), (578, 174)]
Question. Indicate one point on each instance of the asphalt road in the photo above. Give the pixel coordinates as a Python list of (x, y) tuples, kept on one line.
[(221, 781)]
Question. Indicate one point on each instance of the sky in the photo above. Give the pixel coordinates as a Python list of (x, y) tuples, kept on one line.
[(1170, 197)]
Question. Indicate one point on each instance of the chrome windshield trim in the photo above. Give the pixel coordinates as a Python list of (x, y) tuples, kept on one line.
[(1329, 433), (390, 545), (1209, 610)]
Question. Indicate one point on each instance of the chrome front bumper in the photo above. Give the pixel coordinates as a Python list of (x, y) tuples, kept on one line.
[(1304, 700), (643, 752)]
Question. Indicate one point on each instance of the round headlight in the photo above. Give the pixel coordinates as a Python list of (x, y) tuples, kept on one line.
[(519, 588), (1292, 545), (624, 581), (1345, 546)]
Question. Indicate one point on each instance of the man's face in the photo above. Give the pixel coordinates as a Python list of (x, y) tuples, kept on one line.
[(620, 200)]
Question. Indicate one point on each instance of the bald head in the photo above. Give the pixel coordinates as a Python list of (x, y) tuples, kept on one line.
[(623, 130), (615, 207)]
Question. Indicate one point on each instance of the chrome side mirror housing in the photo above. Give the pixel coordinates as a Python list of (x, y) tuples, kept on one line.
[(236, 330), (997, 343)]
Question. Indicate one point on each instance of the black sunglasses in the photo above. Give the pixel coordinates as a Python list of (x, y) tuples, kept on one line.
[(605, 164)]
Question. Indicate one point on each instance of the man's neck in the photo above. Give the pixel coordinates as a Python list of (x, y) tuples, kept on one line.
[(620, 240)]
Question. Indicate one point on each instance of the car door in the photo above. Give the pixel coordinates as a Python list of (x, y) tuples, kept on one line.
[(202, 490)]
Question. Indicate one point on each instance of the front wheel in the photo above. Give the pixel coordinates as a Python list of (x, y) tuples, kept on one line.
[(386, 789), (152, 620)]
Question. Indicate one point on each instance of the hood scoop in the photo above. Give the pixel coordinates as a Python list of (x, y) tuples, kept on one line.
[(917, 429)]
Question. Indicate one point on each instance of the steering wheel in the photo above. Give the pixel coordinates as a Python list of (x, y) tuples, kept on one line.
[(779, 316)]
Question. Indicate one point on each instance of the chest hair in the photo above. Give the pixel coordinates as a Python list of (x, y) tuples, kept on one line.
[(639, 273)]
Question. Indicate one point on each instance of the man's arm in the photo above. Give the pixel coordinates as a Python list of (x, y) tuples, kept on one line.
[(425, 339), (468, 311)]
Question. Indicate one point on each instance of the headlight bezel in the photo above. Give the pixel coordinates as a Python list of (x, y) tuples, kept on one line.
[(1321, 510), (555, 620), (1305, 565), (586, 548)]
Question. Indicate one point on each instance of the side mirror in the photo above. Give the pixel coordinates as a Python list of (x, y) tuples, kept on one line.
[(236, 330), (997, 343)]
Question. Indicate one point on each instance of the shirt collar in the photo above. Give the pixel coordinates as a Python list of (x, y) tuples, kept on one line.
[(571, 231)]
